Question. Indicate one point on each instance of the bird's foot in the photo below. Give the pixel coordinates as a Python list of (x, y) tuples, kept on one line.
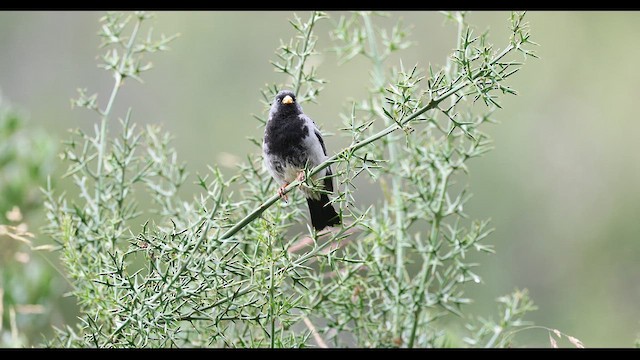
[(300, 176), (281, 193)]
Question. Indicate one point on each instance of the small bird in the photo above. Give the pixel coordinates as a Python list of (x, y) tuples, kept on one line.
[(291, 141)]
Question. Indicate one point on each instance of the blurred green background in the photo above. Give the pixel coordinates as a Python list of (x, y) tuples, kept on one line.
[(561, 185)]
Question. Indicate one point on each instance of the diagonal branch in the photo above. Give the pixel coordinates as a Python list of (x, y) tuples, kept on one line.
[(433, 103), (350, 149)]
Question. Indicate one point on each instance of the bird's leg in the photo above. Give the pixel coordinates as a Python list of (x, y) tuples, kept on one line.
[(281, 193), (300, 176)]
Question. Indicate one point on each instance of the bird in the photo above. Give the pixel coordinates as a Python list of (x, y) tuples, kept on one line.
[(292, 141)]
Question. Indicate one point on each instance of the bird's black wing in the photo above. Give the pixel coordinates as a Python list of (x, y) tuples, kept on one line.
[(328, 183), (324, 149)]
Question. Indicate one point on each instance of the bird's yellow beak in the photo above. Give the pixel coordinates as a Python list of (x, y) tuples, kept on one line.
[(287, 100)]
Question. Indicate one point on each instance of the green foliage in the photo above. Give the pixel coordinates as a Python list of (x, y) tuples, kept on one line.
[(228, 269), (25, 159), (491, 333), (26, 287)]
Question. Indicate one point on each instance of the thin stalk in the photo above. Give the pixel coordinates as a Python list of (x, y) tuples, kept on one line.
[(304, 54), (493, 339), (107, 111), (272, 317), (435, 226), (433, 238), (378, 72), (378, 79), (454, 66), (120, 199)]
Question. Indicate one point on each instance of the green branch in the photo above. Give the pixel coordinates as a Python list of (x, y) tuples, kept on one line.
[(433, 103), (350, 149)]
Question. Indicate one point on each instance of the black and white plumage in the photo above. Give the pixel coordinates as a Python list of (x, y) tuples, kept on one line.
[(291, 141)]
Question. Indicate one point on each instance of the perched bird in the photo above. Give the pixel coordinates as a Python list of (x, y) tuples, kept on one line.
[(291, 141)]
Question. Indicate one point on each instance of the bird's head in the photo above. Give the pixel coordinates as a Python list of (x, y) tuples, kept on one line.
[(285, 97), (285, 103)]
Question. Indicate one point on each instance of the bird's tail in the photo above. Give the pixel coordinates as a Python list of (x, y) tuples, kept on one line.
[(322, 213)]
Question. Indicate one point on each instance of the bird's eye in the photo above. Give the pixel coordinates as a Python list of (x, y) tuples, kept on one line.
[(278, 99)]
